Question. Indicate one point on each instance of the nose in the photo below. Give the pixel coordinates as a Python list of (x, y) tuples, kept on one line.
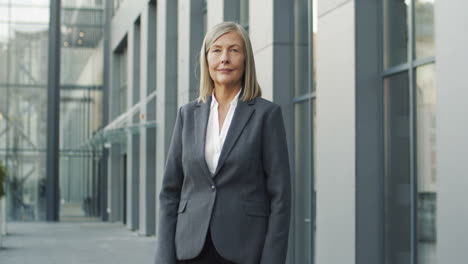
[(225, 57)]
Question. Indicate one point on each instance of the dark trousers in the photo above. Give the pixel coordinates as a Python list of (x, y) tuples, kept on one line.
[(208, 255)]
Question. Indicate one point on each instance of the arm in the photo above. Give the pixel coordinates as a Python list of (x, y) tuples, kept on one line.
[(169, 197), (277, 173)]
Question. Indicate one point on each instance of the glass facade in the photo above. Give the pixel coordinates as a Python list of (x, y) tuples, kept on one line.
[(426, 99), (23, 105), (424, 28), (24, 29), (304, 105), (409, 102), (81, 73), (244, 14), (397, 169), (396, 18), (410, 131)]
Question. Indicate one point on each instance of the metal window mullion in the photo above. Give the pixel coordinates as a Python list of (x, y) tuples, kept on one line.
[(421, 62), (396, 69), (304, 97), (53, 116), (310, 128), (412, 139)]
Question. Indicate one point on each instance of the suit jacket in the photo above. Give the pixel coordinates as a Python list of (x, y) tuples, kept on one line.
[(246, 202)]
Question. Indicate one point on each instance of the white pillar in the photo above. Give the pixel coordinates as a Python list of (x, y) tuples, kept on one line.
[(166, 78), (452, 127), (335, 140)]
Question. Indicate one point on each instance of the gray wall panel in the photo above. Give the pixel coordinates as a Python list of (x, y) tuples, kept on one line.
[(451, 24), (335, 137), (369, 135)]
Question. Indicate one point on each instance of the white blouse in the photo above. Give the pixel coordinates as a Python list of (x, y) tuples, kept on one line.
[(214, 138)]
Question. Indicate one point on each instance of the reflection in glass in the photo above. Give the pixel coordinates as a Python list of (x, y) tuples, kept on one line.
[(395, 32), (303, 185), (36, 15), (123, 80), (244, 14), (426, 163), (301, 47), (80, 107), (397, 170), (424, 28), (23, 101), (35, 3)]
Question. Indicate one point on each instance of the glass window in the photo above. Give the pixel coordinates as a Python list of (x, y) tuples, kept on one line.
[(304, 112), (301, 47), (395, 32), (23, 51), (39, 15), (35, 3), (81, 71), (426, 163), (123, 80), (424, 28), (205, 18), (303, 185), (244, 14), (4, 14), (397, 170)]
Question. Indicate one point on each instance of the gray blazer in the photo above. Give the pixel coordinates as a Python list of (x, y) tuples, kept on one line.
[(246, 202)]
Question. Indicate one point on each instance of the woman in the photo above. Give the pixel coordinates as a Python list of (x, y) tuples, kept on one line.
[(225, 195)]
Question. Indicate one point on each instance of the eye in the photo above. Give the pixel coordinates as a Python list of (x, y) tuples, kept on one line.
[(215, 50), (235, 50)]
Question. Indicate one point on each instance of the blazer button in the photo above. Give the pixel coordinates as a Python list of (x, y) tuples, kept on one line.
[(213, 188)]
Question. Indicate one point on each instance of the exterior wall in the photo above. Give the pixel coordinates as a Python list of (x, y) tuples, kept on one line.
[(340, 224), (133, 142), (148, 114), (452, 127), (335, 135), (166, 86)]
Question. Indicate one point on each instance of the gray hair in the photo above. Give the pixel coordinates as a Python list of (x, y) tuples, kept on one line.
[(249, 80)]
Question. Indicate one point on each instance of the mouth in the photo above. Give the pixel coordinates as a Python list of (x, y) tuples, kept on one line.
[(225, 70)]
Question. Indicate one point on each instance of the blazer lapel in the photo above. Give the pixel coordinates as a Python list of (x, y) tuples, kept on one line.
[(240, 119), (201, 122)]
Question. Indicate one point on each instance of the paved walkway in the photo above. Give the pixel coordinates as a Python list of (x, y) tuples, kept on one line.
[(75, 243)]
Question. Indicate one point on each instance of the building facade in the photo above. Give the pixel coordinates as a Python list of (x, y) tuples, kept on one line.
[(371, 91)]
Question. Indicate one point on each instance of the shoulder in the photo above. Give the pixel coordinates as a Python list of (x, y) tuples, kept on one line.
[(189, 107), (266, 106)]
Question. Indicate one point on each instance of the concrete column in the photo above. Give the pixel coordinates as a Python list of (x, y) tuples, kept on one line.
[(335, 141), (190, 29), (115, 182), (166, 77), (452, 127), (147, 134), (133, 140)]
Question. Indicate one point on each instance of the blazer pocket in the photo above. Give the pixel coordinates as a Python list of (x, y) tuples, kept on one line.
[(182, 206), (257, 208)]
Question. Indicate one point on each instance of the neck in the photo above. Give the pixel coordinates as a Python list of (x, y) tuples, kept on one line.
[(224, 94)]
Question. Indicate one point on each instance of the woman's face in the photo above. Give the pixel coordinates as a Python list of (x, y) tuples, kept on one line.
[(226, 59)]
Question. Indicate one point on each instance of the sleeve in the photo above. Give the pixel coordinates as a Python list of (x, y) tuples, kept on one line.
[(169, 197), (277, 173)]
